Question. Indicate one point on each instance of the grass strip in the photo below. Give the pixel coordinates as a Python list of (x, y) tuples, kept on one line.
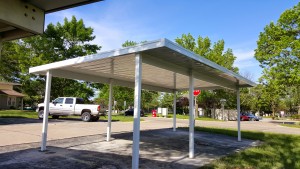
[(297, 125), (18, 114), (33, 115), (278, 151)]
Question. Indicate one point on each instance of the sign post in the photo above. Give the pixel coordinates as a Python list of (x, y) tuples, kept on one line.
[(196, 93), (124, 105)]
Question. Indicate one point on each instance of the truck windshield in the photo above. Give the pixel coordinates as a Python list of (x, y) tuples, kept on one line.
[(79, 101), (59, 100)]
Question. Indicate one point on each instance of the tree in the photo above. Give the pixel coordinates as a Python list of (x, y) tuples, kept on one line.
[(216, 53), (203, 47), (129, 43), (278, 51), (59, 42), (121, 94), (9, 65)]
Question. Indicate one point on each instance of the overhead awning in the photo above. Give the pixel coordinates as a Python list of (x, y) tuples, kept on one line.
[(57, 5), (23, 18), (11, 93), (159, 65), (165, 68)]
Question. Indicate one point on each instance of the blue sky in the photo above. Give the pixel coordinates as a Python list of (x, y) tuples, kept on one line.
[(237, 22)]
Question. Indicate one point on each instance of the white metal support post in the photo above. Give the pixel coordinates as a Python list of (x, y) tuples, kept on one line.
[(174, 104), (108, 129), (46, 110), (238, 113), (191, 114), (174, 111), (137, 108)]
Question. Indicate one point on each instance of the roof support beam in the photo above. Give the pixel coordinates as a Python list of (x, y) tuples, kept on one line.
[(155, 61), (93, 78), (137, 108), (201, 88), (191, 116), (174, 111), (46, 110), (108, 129), (174, 104), (238, 113), (26, 18)]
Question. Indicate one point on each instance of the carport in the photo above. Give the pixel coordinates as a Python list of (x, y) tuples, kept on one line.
[(159, 65)]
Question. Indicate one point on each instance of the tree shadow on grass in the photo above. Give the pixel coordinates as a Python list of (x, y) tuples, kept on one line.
[(278, 151)]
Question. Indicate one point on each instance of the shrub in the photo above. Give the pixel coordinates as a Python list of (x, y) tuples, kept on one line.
[(295, 116)]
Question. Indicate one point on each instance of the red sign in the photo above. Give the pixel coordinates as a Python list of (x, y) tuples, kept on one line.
[(197, 92)]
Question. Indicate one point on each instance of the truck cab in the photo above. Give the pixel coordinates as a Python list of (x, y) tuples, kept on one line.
[(66, 106)]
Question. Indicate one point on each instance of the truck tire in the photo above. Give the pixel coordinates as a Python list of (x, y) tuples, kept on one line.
[(95, 118), (41, 114), (55, 116), (86, 117)]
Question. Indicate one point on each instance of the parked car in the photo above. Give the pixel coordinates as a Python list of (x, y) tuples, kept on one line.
[(130, 112), (27, 107), (253, 117), (66, 106), (244, 117)]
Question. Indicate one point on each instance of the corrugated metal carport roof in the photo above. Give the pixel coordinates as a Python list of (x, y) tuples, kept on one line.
[(164, 63), (56, 5)]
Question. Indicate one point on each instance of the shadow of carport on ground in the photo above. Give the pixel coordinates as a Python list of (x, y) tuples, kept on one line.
[(160, 148)]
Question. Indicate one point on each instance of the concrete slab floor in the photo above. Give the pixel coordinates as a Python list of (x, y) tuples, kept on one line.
[(160, 148)]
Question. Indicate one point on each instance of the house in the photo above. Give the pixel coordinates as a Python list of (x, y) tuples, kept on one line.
[(10, 98)]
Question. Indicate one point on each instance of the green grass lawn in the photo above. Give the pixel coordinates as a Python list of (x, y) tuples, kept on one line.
[(277, 151), (121, 118), (33, 115), (180, 116), (297, 125), (18, 114)]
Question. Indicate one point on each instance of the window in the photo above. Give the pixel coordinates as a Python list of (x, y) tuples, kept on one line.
[(9, 101), (13, 101), (79, 101), (59, 100), (69, 101)]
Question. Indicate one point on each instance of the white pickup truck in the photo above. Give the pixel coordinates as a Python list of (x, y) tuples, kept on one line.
[(66, 106)]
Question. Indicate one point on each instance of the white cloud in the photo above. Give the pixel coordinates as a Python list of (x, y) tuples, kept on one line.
[(59, 16), (247, 64), (113, 26), (243, 54)]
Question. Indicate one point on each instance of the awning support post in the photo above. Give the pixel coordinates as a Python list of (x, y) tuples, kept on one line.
[(174, 104), (46, 110), (137, 108), (174, 111), (238, 113), (108, 129), (191, 114)]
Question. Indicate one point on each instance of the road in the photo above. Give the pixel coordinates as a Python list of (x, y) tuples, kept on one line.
[(29, 131)]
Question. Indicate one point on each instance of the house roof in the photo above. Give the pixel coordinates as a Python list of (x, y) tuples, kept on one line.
[(11, 93), (165, 67)]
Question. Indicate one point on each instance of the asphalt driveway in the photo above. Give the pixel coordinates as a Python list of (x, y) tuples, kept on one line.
[(76, 144)]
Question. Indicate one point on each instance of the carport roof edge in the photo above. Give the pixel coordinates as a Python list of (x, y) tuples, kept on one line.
[(164, 48)]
